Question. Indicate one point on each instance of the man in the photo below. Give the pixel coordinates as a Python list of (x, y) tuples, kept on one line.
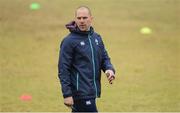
[(82, 56)]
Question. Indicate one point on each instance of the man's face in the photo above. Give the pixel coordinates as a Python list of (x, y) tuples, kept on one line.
[(83, 19)]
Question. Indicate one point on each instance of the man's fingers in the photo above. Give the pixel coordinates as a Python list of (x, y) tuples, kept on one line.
[(107, 74), (68, 104), (68, 101), (112, 77), (110, 82), (109, 78)]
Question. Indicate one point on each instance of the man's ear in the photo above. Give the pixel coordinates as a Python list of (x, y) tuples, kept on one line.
[(92, 18)]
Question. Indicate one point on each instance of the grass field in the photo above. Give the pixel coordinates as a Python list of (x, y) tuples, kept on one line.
[(147, 66)]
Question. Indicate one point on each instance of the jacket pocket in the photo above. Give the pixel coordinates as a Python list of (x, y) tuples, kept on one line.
[(77, 81)]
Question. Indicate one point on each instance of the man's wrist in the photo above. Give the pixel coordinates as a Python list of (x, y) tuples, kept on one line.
[(67, 95)]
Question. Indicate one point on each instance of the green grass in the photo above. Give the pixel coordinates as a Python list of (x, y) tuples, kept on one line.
[(147, 66)]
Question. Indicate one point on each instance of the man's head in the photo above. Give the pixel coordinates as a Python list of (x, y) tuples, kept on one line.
[(83, 18)]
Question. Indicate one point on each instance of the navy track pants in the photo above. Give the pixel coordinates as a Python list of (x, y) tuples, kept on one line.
[(84, 105)]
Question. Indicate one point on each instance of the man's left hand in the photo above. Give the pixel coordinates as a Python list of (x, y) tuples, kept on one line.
[(110, 75)]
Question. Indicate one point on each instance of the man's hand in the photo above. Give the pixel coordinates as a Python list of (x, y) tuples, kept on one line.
[(110, 75), (68, 101)]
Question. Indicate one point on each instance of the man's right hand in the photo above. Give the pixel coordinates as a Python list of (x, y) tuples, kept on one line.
[(68, 101)]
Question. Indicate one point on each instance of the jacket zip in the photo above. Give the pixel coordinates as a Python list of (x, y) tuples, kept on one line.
[(92, 53), (77, 81)]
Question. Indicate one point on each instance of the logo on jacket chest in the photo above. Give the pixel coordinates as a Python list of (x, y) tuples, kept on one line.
[(82, 43), (97, 42)]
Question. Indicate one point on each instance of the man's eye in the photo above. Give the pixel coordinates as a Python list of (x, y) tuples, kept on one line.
[(78, 18), (84, 17)]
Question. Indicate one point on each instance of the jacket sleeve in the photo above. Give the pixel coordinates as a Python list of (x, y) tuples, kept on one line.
[(64, 67), (106, 63)]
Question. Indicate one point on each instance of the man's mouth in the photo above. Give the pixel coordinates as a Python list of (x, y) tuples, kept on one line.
[(82, 25)]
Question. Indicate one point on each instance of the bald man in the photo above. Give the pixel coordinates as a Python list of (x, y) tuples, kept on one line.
[(82, 57)]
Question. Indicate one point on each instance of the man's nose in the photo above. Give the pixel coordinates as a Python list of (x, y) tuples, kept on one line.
[(81, 20)]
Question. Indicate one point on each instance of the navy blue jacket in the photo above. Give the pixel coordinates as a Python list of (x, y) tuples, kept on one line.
[(82, 57)]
